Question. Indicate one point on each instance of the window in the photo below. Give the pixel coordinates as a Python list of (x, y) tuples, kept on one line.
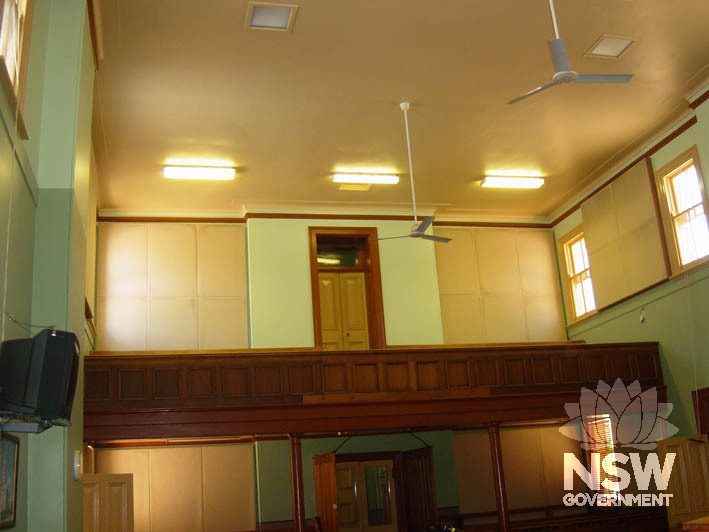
[(578, 274), (685, 210), (601, 430), (14, 44)]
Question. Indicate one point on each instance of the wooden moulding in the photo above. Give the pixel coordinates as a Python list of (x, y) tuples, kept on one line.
[(165, 396)]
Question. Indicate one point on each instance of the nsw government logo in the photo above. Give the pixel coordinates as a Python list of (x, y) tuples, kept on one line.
[(606, 421)]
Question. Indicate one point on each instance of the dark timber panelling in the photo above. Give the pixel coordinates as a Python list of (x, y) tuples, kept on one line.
[(154, 395)]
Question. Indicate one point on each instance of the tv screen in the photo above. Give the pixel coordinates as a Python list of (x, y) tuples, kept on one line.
[(38, 375)]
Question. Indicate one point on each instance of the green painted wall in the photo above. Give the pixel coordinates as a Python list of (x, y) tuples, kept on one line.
[(273, 468), (676, 312), (280, 299)]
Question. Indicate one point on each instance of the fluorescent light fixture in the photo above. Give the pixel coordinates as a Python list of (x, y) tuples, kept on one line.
[(610, 47), (496, 181), (199, 172), (514, 173), (364, 179), (264, 16), (198, 161), (355, 187)]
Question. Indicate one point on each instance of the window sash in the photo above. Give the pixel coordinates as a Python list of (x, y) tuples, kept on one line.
[(579, 275)]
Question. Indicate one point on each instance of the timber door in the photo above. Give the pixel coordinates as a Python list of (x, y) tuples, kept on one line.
[(366, 496), (419, 489), (689, 482), (326, 491), (343, 310), (108, 503)]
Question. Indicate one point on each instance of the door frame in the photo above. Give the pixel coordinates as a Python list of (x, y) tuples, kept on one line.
[(372, 275)]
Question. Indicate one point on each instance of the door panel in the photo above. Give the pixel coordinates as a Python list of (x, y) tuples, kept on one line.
[(689, 481), (108, 503), (420, 489), (330, 311), (326, 491), (343, 310), (353, 297), (347, 503)]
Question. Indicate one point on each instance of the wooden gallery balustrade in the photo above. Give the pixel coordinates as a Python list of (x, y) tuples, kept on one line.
[(142, 395)]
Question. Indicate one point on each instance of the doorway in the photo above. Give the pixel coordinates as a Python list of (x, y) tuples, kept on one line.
[(376, 492), (346, 287)]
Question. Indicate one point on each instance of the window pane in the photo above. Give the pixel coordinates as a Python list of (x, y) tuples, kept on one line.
[(692, 234), (577, 256), (378, 504), (337, 256), (685, 189), (579, 304), (588, 293)]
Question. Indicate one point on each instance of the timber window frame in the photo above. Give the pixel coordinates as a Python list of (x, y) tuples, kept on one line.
[(683, 207), (577, 275)]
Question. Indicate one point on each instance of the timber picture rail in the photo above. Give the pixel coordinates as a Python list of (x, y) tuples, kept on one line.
[(301, 391)]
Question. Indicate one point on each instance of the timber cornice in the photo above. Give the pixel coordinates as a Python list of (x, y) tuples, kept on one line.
[(186, 394)]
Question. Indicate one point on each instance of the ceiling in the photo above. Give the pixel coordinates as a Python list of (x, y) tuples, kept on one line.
[(180, 78)]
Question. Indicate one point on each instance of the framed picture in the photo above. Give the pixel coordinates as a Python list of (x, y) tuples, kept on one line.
[(9, 453)]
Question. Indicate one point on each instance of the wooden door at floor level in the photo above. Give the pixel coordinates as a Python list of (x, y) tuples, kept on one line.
[(689, 481), (326, 491), (419, 489), (343, 310), (108, 503), (366, 496)]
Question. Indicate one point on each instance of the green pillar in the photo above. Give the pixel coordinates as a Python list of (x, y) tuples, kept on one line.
[(64, 145)]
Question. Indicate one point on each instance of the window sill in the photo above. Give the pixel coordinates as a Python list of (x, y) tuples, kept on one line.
[(690, 268), (12, 100), (581, 319)]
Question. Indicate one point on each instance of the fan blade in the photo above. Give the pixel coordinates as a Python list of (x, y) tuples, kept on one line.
[(604, 78), (424, 225), (559, 55), (437, 238), (532, 92), (390, 237)]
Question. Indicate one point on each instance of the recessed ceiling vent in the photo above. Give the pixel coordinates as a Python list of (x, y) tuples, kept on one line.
[(610, 47), (263, 16)]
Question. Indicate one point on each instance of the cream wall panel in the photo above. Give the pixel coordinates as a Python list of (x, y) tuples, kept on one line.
[(504, 319), (632, 192), (636, 251), (457, 262), (228, 497), (222, 261), (497, 257), (537, 263), (122, 323), (599, 221), (123, 260), (463, 321), (168, 265), (553, 446), (522, 462), (135, 461), (173, 323), (172, 260), (609, 283), (223, 323), (473, 468), (544, 316), (176, 489)]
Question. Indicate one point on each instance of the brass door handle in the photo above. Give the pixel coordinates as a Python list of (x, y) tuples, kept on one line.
[(347, 334)]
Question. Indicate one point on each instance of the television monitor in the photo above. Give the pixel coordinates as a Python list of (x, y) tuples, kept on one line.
[(38, 375)]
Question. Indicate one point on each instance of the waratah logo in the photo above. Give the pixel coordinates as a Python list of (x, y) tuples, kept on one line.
[(633, 416)]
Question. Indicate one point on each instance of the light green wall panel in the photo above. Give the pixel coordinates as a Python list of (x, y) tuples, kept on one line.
[(280, 297), (274, 497)]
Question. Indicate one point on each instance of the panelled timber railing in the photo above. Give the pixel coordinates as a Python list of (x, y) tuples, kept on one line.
[(293, 392), (144, 395)]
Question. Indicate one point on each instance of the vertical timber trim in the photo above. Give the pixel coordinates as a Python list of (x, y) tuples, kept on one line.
[(296, 466), (503, 516)]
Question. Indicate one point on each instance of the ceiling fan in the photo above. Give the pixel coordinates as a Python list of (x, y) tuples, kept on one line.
[(562, 70), (419, 229)]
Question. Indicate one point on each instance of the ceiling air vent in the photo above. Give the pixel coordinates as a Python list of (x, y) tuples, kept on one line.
[(610, 47), (263, 16)]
